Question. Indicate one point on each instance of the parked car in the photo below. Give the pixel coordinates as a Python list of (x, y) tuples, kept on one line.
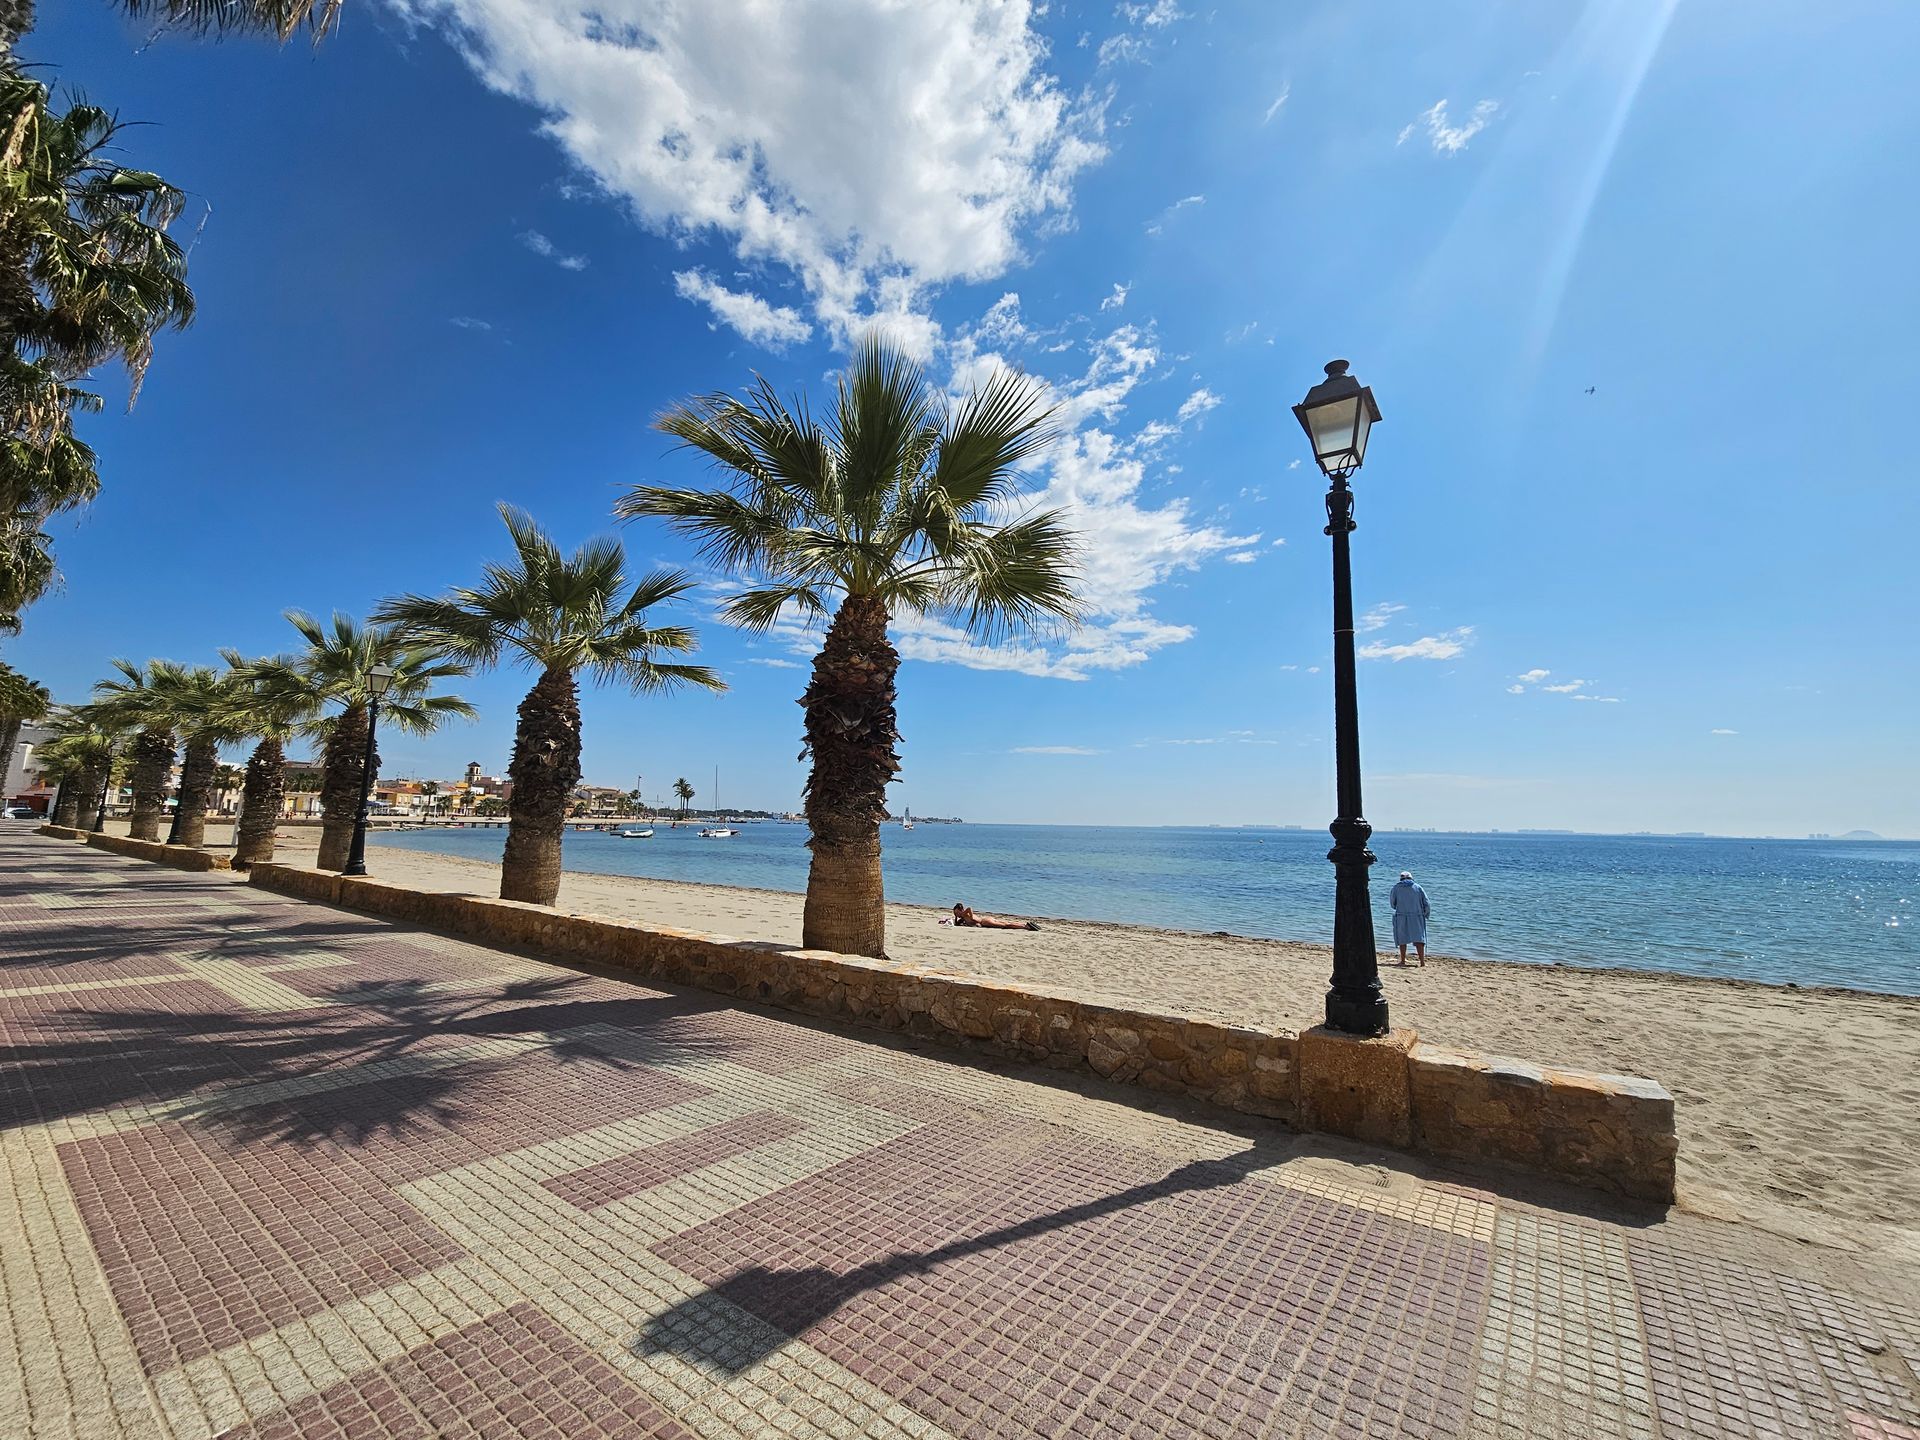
[(21, 812)]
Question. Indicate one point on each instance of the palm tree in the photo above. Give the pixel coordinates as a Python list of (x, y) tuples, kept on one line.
[(270, 700), (197, 704), (140, 698), (22, 702), (80, 760), (558, 615), (901, 503), (88, 276), (684, 793), (335, 665), (430, 793), (278, 18)]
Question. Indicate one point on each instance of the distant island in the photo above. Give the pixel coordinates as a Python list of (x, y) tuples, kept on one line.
[(1850, 835)]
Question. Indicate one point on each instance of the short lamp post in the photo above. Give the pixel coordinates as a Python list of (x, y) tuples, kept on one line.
[(379, 677), (1337, 414)]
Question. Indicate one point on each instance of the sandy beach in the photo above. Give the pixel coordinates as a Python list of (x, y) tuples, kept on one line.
[(1797, 1108)]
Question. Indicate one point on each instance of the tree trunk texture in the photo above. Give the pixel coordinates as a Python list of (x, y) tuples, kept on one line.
[(9, 741), (66, 809), (197, 765), (91, 781), (341, 767), (544, 769), (152, 759), (260, 802), (851, 734)]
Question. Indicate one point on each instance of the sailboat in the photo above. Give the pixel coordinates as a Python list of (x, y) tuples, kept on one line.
[(721, 831), (906, 818)]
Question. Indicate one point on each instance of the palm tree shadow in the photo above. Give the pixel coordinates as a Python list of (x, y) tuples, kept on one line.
[(710, 1330), (267, 1078)]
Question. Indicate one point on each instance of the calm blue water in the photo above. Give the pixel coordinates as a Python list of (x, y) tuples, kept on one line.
[(1813, 912)]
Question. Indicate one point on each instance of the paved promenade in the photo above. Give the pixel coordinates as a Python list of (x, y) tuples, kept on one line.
[(275, 1170)]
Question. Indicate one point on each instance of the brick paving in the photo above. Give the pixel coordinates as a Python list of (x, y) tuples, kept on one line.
[(276, 1171)]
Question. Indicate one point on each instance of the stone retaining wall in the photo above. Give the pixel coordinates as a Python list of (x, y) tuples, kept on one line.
[(1612, 1133), (179, 857)]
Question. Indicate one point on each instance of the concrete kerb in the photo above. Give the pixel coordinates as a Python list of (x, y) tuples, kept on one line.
[(1611, 1133)]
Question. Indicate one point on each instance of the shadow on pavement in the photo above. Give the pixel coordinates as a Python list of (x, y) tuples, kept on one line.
[(708, 1330)]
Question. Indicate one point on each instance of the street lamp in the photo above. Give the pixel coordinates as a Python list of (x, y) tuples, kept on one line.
[(379, 677), (1337, 414)]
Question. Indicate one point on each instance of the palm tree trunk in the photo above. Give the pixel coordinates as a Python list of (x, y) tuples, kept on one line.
[(341, 768), (260, 803), (851, 732), (152, 759), (544, 769), (73, 794), (197, 765), (9, 741)]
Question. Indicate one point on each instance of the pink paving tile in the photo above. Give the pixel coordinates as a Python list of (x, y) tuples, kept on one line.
[(206, 1244), (1012, 1280), (63, 1055), (1873, 1427), (409, 1126), (656, 1164), (516, 1374)]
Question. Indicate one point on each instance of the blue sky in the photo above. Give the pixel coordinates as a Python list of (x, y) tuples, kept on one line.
[(466, 250)]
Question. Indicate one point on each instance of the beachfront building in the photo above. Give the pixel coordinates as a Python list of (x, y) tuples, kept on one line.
[(300, 793), (23, 785)]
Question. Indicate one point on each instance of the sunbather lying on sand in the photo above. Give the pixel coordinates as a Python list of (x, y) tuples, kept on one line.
[(962, 915)]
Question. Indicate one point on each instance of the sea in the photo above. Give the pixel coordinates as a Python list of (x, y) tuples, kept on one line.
[(1805, 912)]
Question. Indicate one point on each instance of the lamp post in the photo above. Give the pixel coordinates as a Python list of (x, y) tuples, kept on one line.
[(1337, 414), (379, 677)]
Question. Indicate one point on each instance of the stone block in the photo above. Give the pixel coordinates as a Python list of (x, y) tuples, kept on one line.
[(1356, 1085), (1606, 1132)]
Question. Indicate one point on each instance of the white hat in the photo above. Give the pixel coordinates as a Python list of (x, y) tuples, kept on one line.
[(1406, 874)]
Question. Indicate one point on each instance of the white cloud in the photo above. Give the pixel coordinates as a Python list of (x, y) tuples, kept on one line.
[(1120, 362), (547, 250), (1726, 732), (1118, 298), (728, 121), (1293, 465), (1443, 646), (773, 663), (1054, 750), (1198, 403), (774, 326), (1240, 557), (1598, 699), (1136, 42), (1516, 689), (1159, 222), (468, 322), (1378, 617), (1232, 737), (1279, 100), (1533, 677), (1450, 139), (1279, 540), (1313, 669), (1566, 689)]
